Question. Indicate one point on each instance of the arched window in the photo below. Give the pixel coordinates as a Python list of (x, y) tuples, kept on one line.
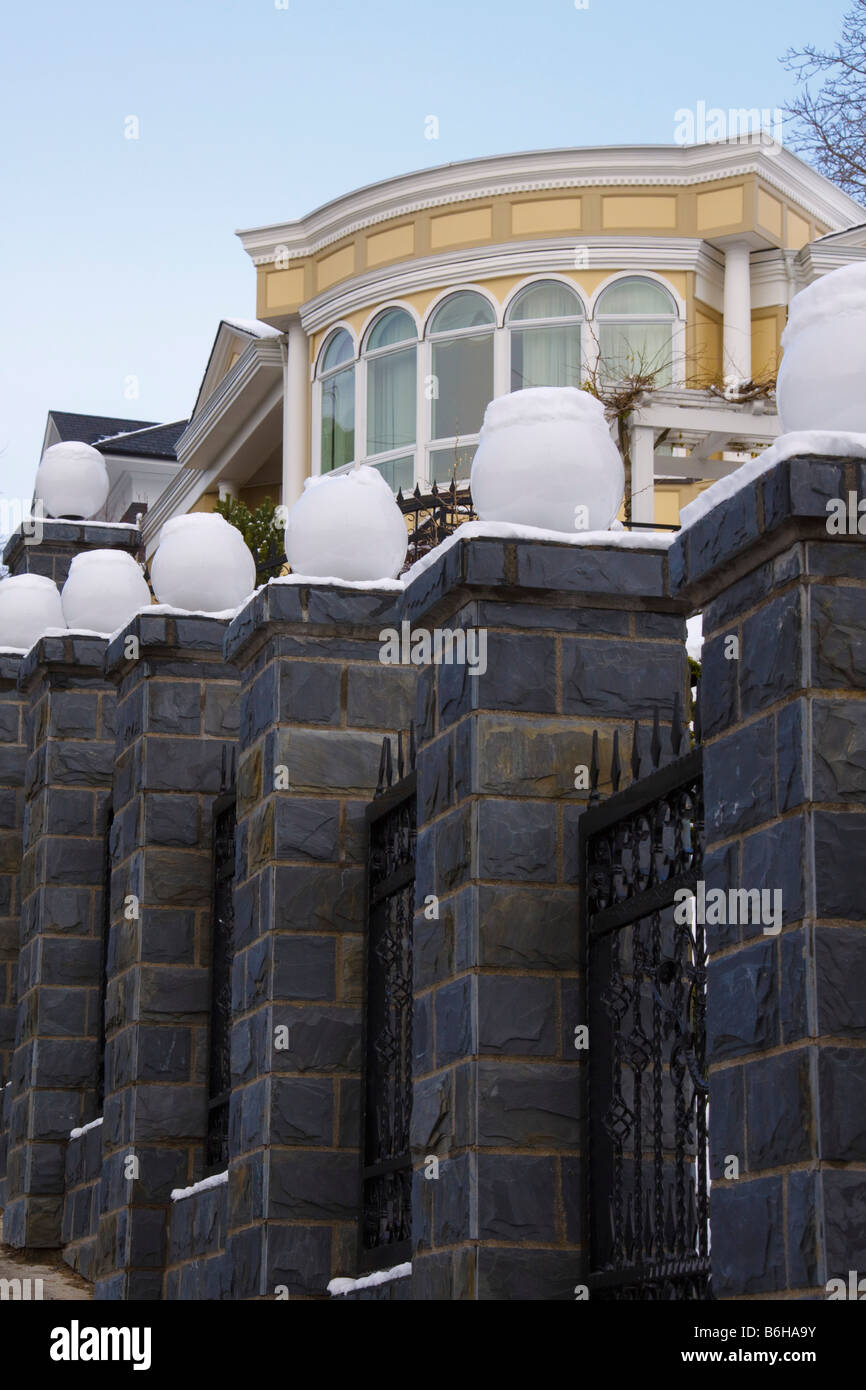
[(337, 376), (544, 336), (390, 354), (635, 319), (461, 367)]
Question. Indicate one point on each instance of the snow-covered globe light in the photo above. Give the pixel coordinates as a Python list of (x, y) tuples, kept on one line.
[(103, 590), (72, 480), (545, 458), (823, 373), (347, 526), (203, 564), (29, 606)]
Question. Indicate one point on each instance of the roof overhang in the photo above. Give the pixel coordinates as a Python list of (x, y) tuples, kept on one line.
[(598, 166)]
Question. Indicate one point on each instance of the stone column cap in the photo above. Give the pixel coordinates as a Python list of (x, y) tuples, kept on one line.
[(758, 521), (74, 536), (80, 655), (307, 605), (10, 668), (619, 567), (166, 633)]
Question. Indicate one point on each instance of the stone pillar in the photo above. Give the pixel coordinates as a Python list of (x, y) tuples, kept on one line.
[(13, 760), (70, 721), (737, 312), (316, 705), (48, 546), (176, 726), (784, 675), (579, 638)]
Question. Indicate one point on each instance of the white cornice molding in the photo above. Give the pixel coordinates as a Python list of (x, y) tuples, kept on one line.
[(541, 170), (525, 258)]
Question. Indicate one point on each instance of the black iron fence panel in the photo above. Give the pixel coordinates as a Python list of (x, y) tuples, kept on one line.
[(648, 1172), (219, 1071), (386, 1172)]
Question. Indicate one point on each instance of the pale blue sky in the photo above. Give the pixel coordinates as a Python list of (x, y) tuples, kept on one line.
[(119, 256)]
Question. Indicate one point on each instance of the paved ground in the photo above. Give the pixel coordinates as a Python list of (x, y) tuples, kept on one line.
[(58, 1280)]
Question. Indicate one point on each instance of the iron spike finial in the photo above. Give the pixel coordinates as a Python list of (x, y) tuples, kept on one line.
[(676, 725), (380, 782), (615, 765), (635, 752), (696, 714), (400, 755), (593, 770), (656, 741)]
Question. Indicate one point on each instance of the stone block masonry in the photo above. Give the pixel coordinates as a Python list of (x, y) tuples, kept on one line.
[(785, 791), (50, 549), (577, 639), (55, 1068), (316, 704), (13, 764), (177, 716)]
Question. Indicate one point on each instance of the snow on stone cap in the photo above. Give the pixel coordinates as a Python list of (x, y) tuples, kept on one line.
[(199, 519), (369, 1281), (544, 405), (797, 444), (29, 581), (359, 476), (842, 291), (94, 558)]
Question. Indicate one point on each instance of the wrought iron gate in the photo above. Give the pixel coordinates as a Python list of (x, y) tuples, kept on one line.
[(647, 1187), (386, 1173)]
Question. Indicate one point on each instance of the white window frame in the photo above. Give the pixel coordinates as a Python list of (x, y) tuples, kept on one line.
[(318, 378), (677, 320), (493, 329), (365, 356), (510, 327)]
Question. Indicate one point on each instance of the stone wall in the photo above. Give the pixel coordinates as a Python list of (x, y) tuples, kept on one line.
[(197, 1265), (54, 544), (785, 791), (55, 1068), (83, 1177), (577, 639)]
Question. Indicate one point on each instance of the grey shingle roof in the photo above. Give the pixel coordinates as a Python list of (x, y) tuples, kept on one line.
[(89, 428), (157, 441)]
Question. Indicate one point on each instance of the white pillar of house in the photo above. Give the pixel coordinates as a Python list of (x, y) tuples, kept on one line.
[(227, 490), (642, 473), (737, 310), (296, 398)]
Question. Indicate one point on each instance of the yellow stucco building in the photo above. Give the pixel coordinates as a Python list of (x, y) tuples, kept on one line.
[(387, 319)]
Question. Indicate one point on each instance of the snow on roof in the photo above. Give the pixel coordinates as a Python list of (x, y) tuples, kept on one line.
[(820, 443), (254, 327)]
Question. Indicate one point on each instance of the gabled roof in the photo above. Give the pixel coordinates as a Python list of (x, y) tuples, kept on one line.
[(153, 441), (232, 336), (86, 429)]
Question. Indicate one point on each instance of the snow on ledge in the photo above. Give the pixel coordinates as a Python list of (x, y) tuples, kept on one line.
[(389, 586), (369, 1281), (218, 1180), (826, 443), (509, 530), (77, 1133)]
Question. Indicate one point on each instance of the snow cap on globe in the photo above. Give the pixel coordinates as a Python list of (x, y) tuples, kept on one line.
[(103, 590), (29, 606), (347, 526), (820, 383), (203, 564), (545, 458), (72, 480)]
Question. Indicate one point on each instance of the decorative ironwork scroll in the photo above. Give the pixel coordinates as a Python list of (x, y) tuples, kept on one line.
[(386, 1175), (648, 1182)]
